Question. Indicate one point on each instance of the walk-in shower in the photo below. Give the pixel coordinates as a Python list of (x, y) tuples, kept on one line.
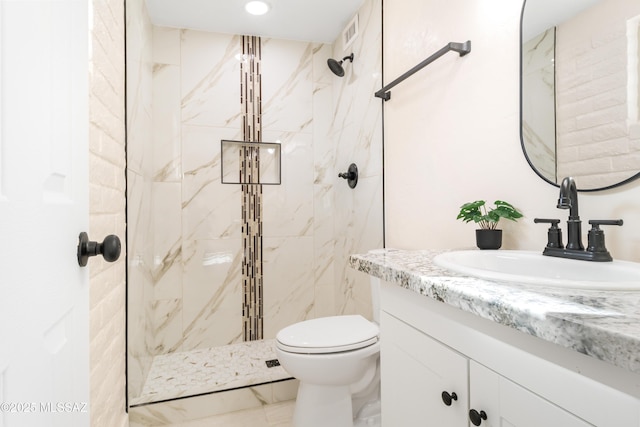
[(218, 265)]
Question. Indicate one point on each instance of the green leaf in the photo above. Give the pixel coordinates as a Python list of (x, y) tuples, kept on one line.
[(477, 212)]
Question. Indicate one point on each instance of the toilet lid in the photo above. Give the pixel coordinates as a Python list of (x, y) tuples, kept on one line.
[(328, 335)]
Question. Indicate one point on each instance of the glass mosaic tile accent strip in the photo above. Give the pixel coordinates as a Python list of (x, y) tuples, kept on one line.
[(195, 372), (252, 279)]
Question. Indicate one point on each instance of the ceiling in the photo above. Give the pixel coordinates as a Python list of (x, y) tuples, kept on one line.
[(305, 20)]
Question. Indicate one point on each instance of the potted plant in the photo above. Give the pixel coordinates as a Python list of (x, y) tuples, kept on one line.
[(488, 236)]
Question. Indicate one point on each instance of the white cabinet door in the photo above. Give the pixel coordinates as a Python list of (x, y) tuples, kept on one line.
[(415, 371), (506, 404)]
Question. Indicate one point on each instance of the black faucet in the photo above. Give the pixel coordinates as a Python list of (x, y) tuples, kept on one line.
[(568, 199), (596, 250)]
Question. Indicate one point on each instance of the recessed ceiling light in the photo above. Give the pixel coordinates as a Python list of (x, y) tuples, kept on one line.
[(256, 7)]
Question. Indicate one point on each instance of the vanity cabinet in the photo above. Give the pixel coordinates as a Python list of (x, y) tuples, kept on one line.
[(430, 351), (427, 383)]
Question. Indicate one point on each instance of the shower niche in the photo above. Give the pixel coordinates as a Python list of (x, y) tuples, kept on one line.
[(250, 162)]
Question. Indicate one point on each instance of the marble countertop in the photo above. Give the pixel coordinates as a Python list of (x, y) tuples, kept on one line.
[(601, 324)]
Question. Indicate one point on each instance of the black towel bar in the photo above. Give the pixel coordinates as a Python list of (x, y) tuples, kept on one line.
[(461, 48)]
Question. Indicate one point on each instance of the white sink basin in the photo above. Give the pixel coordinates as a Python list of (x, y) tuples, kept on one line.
[(537, 269)]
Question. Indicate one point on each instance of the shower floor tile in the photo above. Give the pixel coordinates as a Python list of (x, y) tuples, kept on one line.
[(202, 371)]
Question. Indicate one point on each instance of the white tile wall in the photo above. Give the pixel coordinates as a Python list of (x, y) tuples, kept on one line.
[(107, 214), (595, 144)]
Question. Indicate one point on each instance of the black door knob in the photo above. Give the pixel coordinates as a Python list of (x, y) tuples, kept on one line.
[(109, 248), (476, 418), (448, 398)]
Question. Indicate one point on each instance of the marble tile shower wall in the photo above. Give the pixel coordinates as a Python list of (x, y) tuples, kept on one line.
[(356, 131), (538, 90), (185, 227), (197, 220), (139, 178)]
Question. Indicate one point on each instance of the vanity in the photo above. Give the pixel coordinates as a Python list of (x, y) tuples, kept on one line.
[(457, 350)]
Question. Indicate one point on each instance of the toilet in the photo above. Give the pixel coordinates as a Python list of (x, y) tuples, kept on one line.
[(337, 361)]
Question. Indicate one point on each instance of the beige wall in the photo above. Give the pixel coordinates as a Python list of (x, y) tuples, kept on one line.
[(452, 133), (107, 213)]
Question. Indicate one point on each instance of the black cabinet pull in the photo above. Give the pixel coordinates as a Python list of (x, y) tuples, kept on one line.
[(109, 248), (449, 398), (476, 418)]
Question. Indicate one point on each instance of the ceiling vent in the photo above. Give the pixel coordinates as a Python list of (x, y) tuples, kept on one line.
[(350, 33)]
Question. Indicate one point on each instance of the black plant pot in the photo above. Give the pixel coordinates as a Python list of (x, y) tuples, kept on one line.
[(489, 239)]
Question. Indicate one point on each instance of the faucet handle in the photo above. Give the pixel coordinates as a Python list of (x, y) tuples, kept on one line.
[(553, 222), (596, 222), (554, 234), (596, 239)]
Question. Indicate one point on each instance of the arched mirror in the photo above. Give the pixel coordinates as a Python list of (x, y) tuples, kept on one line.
[(579, 91)]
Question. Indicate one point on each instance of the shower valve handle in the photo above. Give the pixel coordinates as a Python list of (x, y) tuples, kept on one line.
[(346, 175), (351, 175)]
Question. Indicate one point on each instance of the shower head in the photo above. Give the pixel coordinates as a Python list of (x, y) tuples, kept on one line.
[(336, 66)]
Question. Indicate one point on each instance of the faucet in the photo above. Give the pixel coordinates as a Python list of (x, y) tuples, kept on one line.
[(596, 250), (568, 199)]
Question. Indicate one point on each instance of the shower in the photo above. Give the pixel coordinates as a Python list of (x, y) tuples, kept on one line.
[(336, 66), (217, 266)]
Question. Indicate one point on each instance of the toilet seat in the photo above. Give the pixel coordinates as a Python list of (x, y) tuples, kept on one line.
[(328, 335)]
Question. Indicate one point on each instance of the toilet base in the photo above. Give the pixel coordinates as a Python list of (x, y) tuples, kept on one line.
[(369, 416), (322, 406)]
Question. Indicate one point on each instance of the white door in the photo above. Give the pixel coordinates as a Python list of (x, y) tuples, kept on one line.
[(44, 305)]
